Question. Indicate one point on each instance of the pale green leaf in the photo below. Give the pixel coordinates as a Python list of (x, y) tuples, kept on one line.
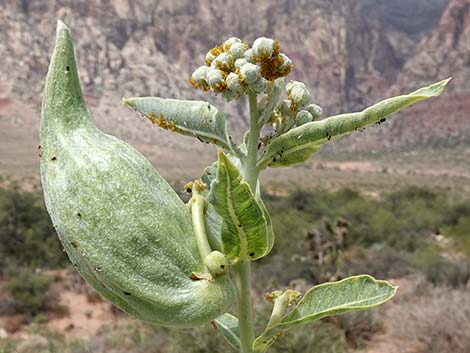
[(269, 225), (192, 118), (244, 230), (227, 324), (297, 145), (333, 298)]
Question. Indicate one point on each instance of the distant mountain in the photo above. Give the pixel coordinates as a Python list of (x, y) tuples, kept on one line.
[(350, 53)]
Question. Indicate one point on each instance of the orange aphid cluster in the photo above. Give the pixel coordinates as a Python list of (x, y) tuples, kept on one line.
[(161, 122)]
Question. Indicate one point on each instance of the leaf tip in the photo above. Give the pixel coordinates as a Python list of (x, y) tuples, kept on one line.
[(437, 88), (127, 102)]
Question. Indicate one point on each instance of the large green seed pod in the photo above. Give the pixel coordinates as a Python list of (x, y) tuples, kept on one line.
[(123, 227)]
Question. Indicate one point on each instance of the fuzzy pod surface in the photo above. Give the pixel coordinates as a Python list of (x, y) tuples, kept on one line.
[(123, 227)]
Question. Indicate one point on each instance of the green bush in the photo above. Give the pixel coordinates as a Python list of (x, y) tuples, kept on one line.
[(28, 289), (27, 237)]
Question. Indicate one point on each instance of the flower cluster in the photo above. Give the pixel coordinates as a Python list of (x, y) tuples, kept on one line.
[(295, 110), (233, 68)]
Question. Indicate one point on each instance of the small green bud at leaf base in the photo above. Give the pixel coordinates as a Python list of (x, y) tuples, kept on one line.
[(124, 228), (216, 264)]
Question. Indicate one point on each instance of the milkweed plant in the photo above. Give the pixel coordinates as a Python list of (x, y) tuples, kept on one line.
[(174, 264)]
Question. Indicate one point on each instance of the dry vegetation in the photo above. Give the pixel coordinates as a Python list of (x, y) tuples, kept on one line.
[(416, 237)]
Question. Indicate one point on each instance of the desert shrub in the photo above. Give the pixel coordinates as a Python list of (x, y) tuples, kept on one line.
[(390, 229), (28, 289), (320, 337), (438, 269), (360, 326), (438, 320), (381, 261), (27, 237)]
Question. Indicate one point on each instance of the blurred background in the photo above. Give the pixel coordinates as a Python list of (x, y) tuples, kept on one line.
[(392, 201)]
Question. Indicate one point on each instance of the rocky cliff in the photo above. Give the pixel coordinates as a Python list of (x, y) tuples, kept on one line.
[(350, 53)]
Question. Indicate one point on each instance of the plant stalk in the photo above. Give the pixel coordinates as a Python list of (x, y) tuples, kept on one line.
[(243, 271), (199, 225)]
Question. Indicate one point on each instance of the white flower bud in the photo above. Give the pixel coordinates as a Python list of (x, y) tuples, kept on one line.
[(199, 77), (264, 47), (237, 50), (239, 63), (223, 62), (249, 73), (233, 84), (315, 110), (249, 55), (303, 117), (285, 63), (210, 56), (259, 86), (215, 79), (229, 42), (298, 93)]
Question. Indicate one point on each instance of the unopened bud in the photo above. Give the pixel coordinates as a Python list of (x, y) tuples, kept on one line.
[(284, 107), (284, 64), (211, 55), (315, 110), (223, 61), (216, 264), (240, 62), (259, 86), (298, 93), (199, 77), (263, 48), (215, 79), (249, 55), (233, 84), (237, 50), (303, 117), (229, 42), (249, 73)]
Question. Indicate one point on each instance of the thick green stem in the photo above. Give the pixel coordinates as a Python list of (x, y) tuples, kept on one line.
[(243, 270), (199, 225), (247, 335), (249, 166)]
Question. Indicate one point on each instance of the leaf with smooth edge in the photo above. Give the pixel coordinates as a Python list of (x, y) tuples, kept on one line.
[(227, 324), (244, 227), (332, 298), (298, 145), (192, 118)]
